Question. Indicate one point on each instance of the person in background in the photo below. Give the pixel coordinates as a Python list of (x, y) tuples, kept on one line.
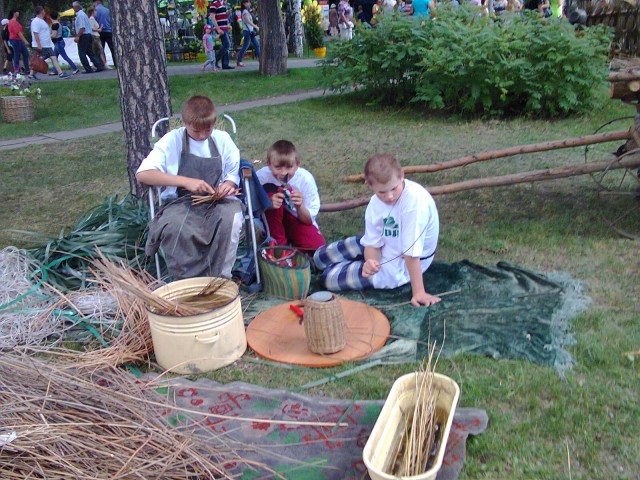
[(249, 33), (421, 8), (42, 43), (345, 20), (103, 17), (208, 44), (57, 36), (294, 197), (84, 39), (333, 20), (220, 21), (17, 42), (8, 52), (399, 242), (197, 240), (96, 45)]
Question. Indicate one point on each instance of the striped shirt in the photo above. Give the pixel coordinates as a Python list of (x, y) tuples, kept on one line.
[(219, 9)]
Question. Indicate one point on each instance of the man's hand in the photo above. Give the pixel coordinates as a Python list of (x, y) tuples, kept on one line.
[(424, 298), (195, 185), (370, 268)]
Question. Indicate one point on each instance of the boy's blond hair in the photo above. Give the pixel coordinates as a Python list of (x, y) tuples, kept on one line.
[(280, 153), (381, 168), (199, 112)]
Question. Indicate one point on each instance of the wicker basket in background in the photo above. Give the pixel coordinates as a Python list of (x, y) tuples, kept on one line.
[(324, 325), (17, 109)]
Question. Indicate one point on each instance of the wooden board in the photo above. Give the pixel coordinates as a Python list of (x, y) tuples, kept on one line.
[(276, 334)]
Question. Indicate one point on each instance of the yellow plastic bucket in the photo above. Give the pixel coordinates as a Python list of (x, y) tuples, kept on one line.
[(198, 343)]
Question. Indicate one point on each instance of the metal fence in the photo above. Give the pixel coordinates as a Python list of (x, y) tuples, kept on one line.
[(622, 17)]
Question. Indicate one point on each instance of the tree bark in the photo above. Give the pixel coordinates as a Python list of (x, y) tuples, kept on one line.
[(273, 51), (142, 75), (630, 162), (509, 152)]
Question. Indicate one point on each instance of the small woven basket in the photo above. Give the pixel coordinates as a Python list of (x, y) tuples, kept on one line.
[(288, 282), (324, 325), (17, 109)]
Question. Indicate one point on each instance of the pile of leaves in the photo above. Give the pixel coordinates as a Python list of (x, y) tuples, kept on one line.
[(463, 61)]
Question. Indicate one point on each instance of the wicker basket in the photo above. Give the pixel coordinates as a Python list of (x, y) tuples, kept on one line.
[(17, 109), (324, 325)]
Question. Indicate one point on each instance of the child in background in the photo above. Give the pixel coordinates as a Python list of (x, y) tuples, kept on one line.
[(197, 240), (400, 239), (294, 196), (208, 42)]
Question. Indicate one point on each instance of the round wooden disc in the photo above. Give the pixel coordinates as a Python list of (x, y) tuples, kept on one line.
[(276, 334)]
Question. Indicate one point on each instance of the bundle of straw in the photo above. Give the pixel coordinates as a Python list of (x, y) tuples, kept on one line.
[(211, 197), (419, 443), (138, 284), (61, 422)]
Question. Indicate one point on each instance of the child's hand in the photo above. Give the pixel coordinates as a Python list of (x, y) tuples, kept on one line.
[(226, 188), (424, 298), (276, 200), (370, 268), (297, 198), (195, 185)]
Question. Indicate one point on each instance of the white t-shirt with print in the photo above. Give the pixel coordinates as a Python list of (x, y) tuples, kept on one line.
[(302, 181), (409, 227), (165, 155), (40, 27)]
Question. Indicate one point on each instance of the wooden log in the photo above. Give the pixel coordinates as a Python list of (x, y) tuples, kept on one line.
[(630, 161), (625, 76), (511, 151), (625, 90)]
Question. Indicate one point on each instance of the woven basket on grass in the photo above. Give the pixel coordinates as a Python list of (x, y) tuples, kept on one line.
[(17, 109), (324, 325)]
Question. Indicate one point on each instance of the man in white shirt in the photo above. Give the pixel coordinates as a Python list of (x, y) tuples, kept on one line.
[(42, 43), (84, 40)]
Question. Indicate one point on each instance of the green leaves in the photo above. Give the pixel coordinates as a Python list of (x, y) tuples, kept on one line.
[(466, 62)]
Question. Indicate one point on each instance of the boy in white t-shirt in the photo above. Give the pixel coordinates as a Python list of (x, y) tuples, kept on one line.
[(294, 197), (400, 239)]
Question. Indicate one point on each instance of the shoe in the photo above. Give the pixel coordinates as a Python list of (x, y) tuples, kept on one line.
[(76, 71), (240, 64), (228, 67), (87, 72), (52, 73), (32, 77), (215, 70), (64, 75), (100, 69), (202, 68)]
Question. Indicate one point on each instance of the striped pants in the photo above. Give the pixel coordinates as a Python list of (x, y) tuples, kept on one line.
[(341, 263)]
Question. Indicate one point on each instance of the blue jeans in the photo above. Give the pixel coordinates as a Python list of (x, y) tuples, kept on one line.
[(19, 48), (60, 50), (248, 39), (223, 53)]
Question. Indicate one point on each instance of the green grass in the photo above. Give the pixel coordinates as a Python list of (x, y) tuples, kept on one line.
[(539, 422), (99, 101)]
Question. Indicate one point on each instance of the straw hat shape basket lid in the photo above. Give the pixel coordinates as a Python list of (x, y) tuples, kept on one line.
[(324, 323), (17, 109)]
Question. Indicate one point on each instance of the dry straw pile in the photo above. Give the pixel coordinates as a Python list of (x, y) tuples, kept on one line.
[(63, 422)]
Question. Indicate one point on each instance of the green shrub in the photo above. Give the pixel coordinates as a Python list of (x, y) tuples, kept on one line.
[(464, 62)]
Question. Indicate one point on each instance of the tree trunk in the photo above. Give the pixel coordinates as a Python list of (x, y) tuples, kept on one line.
[(297, 32), (142, 75), (273, 51)]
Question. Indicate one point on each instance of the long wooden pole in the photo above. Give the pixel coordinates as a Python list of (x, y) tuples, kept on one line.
[(508, 152), (631, 161)]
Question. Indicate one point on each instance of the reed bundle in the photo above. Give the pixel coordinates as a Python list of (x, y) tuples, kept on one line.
[(211, 197), (63, 422), (419, 443), (120, 276)]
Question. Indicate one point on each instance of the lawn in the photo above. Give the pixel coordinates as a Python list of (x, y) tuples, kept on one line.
[(540, 425), (99, 100)]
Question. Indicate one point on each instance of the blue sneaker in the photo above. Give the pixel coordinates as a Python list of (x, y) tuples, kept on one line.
[(64, 75), (32, 77)]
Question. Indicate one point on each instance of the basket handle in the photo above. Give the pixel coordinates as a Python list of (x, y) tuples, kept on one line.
[(213, 339)]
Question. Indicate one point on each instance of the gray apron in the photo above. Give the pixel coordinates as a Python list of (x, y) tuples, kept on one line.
[(194, 239)]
